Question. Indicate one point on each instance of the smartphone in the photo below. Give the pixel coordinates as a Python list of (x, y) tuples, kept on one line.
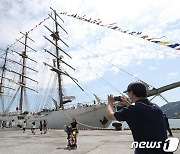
[(117, 98)]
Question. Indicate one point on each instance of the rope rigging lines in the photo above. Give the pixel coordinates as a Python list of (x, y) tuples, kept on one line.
[(109, 62), (17, 40), (26, 104)]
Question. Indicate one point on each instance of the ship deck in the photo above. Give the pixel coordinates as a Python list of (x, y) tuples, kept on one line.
[(55, 142)]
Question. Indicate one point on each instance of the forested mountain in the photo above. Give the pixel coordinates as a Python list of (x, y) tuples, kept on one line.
[(172, 109)]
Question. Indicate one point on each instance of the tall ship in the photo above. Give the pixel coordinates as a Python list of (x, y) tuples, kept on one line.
[(88, 115), (57, 109)]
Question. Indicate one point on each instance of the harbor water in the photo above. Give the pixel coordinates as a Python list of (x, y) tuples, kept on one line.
[(174, 123)]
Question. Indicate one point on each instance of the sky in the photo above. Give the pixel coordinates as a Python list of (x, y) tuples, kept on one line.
[(105, 60)]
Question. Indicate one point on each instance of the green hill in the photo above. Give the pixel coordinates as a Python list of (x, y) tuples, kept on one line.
[(172, 109)]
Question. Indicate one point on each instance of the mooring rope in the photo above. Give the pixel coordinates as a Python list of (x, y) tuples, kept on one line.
[(83, 123)]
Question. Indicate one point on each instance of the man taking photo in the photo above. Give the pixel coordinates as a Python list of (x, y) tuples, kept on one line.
[(145, 119)]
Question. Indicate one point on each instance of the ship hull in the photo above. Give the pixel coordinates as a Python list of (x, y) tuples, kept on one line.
[(87, 117)]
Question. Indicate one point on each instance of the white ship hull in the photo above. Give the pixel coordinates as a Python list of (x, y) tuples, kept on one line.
[(87, 117)]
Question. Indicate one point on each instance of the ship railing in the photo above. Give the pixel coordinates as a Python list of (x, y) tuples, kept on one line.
[(84, 105)]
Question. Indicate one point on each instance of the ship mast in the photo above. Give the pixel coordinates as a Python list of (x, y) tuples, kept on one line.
[(2, 78), (22, 78), (58, 64), (59, 57), (3, 71), (22, 75)]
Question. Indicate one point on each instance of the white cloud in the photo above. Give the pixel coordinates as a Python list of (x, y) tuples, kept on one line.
[(139, 63), (172, 75), (152, 68)]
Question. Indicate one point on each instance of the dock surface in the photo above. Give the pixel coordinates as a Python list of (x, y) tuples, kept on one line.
[(14, 141)]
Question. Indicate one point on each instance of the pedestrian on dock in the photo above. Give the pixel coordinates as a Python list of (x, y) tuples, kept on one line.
[(167, 125), (13, 123), (24, 126), (41, 127), (145, 119), (45, 126), (3, 124), (33, 128)]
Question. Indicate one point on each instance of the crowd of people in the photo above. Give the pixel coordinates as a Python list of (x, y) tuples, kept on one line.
[(9, 124), (43, 126)]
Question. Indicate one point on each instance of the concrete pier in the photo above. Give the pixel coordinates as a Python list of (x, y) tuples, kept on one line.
[(14, 141)]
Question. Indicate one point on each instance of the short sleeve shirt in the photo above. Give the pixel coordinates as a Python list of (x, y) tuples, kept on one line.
[(74, 124), (145, 120)]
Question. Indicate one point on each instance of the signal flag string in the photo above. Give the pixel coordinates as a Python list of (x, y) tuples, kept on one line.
[(113, 26)]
